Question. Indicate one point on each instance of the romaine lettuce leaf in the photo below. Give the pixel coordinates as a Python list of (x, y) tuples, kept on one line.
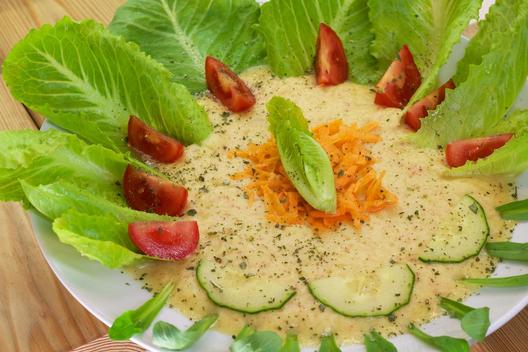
[(181, 33), (54, 199), (20, 147), (45, 157), (97, 227), (89, 81), (475, 107), (305, 161), (499, 17), (509, 160), (99, 238), (429, 27), (290, 29), (516, 122)]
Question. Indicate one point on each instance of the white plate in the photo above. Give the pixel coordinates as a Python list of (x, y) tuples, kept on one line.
[(107, 293)]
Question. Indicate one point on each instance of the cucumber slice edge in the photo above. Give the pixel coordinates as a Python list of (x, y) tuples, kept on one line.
[(424, 259), (281, 304), (411, 290)]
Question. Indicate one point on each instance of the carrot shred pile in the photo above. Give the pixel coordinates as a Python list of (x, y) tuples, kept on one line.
[(359, 188)]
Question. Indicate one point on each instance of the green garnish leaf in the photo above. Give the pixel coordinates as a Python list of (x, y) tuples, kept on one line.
[(305, 161), (474, 321), (328, 344), (374, 342), (168, 336), (260, 341), (499, 75), (514, 211), (291, 344), (89, 81), (509, 281), (245, 332), (181, 33), (290, 29), (138, 320), (508, 250), (429, 28), (442, 343)]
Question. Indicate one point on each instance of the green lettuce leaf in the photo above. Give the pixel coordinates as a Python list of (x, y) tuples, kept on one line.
[(138, 320), (181, 33), (96, 227), (89, 81), (290, 29), (53, 200), (99, 238), (490, 32), (21, 147), (38, 157), (45, 157), (305, 161), (479, 103), (516, 123), (429, 27), (511, 159), (168, 336)]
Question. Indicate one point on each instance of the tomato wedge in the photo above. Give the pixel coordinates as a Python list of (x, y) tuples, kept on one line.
[(400, 82), (331, 65), (152, 194), (227, 87), (167, 240), (420, 109), (156, 145), (459, 152)]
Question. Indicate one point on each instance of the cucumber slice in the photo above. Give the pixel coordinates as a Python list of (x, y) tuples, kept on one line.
[(461, 236), (371, 294), (232, 289)]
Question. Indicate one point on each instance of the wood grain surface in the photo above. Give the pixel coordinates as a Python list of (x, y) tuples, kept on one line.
[(36, 312)]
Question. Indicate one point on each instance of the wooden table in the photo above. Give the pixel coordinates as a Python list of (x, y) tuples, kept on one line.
[(36, 312)]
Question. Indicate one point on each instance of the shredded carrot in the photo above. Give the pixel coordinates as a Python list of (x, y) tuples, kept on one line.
[(359, 188)]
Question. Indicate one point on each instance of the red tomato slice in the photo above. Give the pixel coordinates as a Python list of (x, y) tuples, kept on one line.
[(420, 109), (147, 140), (227, 87), (152, 194), (167, 240), (400, 82), (331, 65), (459, 152)]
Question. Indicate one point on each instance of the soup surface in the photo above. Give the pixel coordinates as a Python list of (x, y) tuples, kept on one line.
[(236, 234)]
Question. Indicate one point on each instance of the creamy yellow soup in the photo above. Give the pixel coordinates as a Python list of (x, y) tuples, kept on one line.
[(232, 232)]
